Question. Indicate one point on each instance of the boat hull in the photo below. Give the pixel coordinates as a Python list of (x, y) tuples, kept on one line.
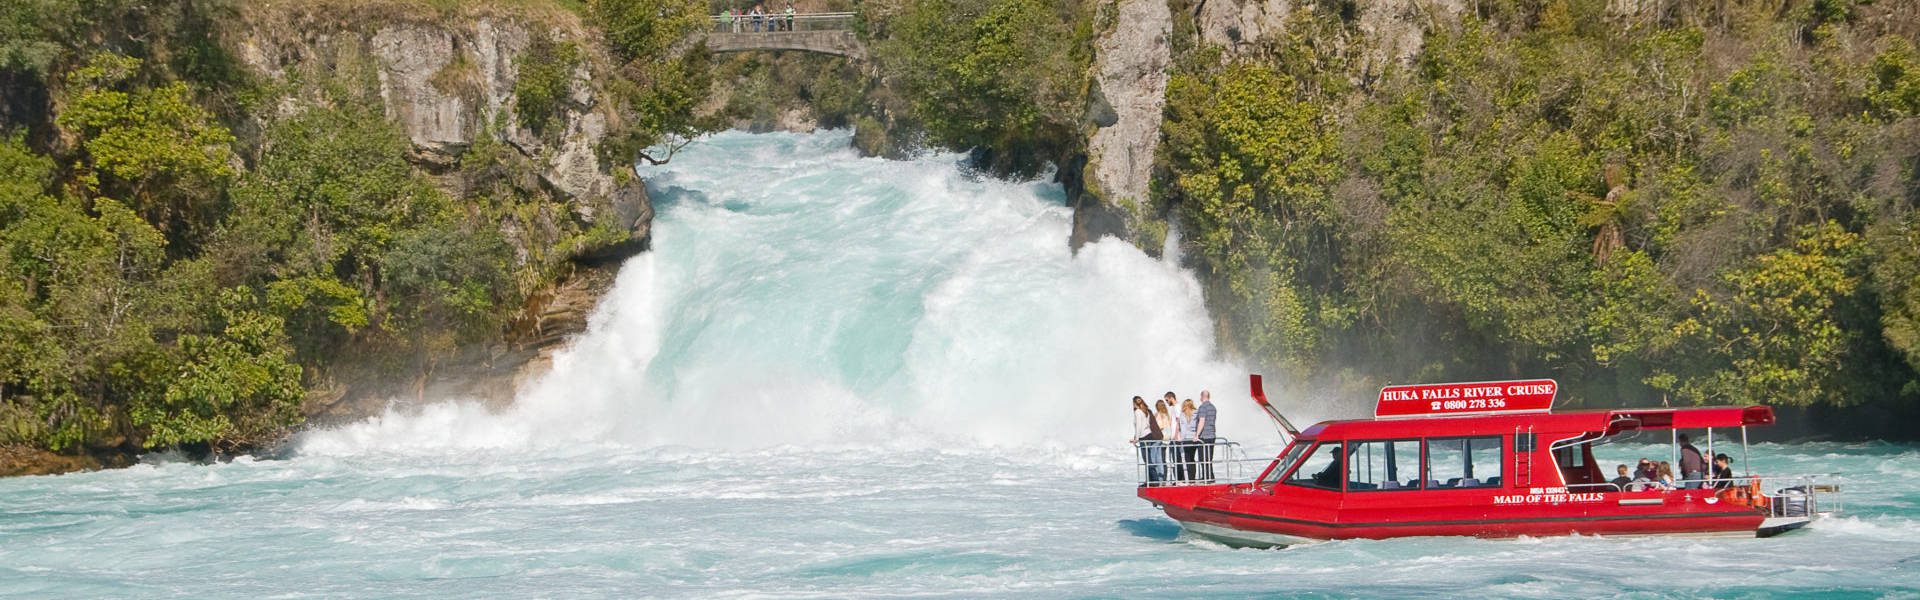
[(1249, 518)]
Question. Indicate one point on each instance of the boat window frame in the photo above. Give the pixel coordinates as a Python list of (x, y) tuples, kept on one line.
[(1284, 464), (1304, 456), (1466, 449), (1420, 465)]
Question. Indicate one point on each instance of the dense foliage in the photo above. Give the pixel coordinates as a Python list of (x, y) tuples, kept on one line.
[(1005, 78), (186, 251), (663, 89), (1714, 204)]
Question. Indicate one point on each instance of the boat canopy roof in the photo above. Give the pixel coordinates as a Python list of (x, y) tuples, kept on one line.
[(1609, 421)]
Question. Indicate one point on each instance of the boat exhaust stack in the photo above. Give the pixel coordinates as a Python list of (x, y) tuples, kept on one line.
[(1260, 396)]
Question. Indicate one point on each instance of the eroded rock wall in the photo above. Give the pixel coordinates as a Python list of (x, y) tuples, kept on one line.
[(1132, 64), (446, 77)]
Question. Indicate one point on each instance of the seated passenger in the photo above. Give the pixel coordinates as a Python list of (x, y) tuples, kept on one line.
[(1666, 477), (1722, 472), (1644, 478), (1622, 481)]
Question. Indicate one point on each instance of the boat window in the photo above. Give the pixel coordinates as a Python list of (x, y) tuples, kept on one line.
[(1463, 462), (1383, 465), (1320, 468), (1286, 461)]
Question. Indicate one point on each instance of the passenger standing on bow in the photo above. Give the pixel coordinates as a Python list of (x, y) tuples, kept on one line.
[(1146, 436), (1164, 410), (1189, 440), (1207, 415)]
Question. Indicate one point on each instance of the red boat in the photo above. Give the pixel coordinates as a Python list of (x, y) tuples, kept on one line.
[(1483, 459)]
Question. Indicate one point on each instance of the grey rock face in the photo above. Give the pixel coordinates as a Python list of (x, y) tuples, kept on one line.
[(1131, 74), (1235, 24), (449, 82), (410, 58), (1131, 89)]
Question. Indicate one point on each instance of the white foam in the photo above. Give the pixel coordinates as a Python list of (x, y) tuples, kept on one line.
[(823, 300)]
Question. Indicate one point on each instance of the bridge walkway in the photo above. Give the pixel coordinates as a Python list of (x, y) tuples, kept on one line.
[(823, 33)]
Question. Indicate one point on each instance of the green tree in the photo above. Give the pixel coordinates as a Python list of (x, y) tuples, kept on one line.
[(546, 79), (1254, 165), (1777, 336), (662, 89), (154, 146), (236, 388), (448, 283), (310, 223), (1003, 76)]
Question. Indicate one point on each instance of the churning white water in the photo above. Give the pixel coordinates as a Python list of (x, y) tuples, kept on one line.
[(840, 377), (799, 294)]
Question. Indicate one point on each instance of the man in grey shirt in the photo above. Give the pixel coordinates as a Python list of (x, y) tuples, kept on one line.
[(1206, 415)]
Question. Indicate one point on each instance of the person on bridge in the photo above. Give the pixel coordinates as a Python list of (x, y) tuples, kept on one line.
[(789, 15), (759, 16)]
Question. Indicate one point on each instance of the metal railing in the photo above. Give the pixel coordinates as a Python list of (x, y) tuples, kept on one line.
[(1160, 463), (778, 22)]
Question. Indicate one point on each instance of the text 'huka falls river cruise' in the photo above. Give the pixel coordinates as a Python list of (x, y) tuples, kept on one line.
[(1484, 459)]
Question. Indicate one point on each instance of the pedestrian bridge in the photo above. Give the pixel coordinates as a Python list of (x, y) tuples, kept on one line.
[(822, 33)]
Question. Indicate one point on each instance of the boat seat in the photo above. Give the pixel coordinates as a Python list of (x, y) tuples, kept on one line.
[(1469, 482), (1433, 483), (1493, 481), (1389, 485), (1455, 482)]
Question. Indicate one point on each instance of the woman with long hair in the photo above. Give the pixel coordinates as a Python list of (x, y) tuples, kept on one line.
[(1146, 436), (1164, 420), (1666, 476), (1189, 441)]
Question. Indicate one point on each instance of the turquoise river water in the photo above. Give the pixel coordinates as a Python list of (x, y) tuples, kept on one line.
[(834, 377)]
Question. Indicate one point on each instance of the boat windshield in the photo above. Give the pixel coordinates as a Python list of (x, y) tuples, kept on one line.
[(1286, 461)]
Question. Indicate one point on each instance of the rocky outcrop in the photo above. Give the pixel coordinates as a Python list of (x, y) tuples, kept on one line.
[(447, 82), (446, 78), (1238, 25), (1131, 71), (27, 460)]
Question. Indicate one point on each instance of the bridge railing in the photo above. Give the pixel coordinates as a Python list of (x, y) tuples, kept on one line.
[(781, 22)]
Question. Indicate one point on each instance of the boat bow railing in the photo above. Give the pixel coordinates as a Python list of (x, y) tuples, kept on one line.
[(1161, 463)]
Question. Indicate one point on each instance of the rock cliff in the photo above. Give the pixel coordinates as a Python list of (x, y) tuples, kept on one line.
[(1133, 60), (1130, 89), (447, 77)]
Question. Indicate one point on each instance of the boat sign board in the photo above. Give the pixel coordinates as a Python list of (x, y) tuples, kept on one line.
[(1476, 398)]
